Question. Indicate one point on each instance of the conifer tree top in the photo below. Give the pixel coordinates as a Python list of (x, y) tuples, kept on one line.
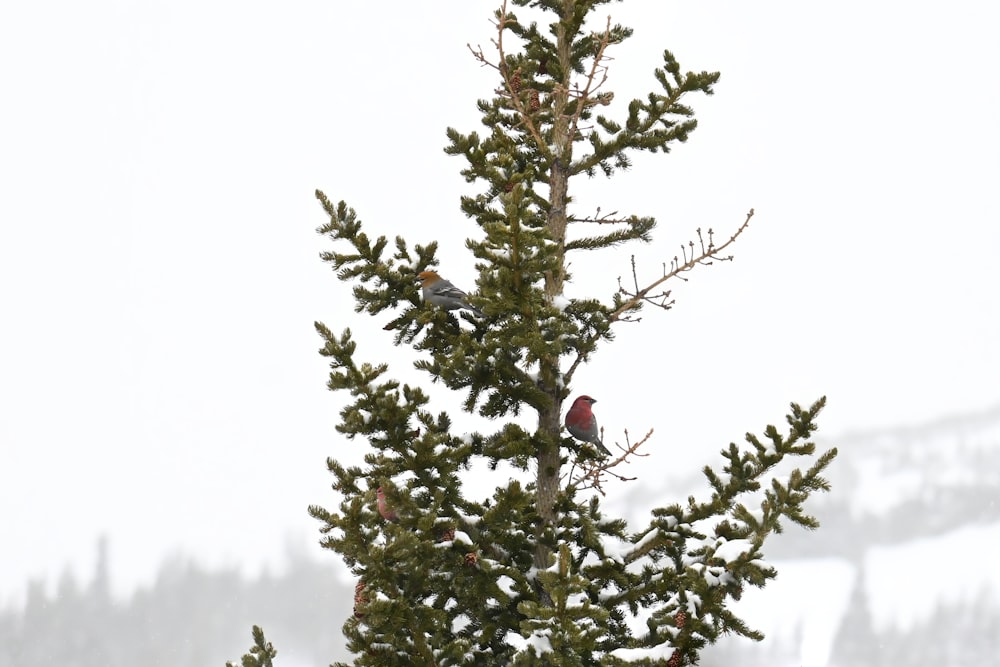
[(493, 547)]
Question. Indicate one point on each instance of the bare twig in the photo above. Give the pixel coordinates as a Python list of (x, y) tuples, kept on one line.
[(525, 101), (568, 375), (606, 219), (593, 474), (590, 88), (510, 91), (705, 255)]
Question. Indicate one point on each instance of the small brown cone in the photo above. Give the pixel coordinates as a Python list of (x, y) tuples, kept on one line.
[(515, 81), (360, 598), (533, 102)]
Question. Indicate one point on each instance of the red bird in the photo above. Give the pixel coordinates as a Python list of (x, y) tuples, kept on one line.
[(387, 512), (582, 424)]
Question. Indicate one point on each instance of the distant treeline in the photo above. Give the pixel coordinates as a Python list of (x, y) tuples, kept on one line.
[(192, 616)]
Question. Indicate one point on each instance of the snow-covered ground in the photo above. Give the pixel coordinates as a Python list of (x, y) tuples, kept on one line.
[(803, 609), (906, 583)]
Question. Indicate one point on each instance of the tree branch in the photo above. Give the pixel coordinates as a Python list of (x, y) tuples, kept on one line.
[(584, 96), (511, 90), (593, 474), (706, 255)]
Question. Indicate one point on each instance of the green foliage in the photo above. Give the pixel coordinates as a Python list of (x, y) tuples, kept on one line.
[(530, 571), (569, 630), (260, 654), (695, 558)]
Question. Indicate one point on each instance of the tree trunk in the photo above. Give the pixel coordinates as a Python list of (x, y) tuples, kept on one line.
[(550, 373)]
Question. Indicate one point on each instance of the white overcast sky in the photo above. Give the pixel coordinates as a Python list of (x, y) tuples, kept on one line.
[(158, 260)]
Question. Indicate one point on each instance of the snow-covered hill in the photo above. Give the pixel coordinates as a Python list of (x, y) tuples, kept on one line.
[(903, 566)]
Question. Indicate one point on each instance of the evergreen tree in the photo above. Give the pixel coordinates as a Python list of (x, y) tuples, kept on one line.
[(531, 570)]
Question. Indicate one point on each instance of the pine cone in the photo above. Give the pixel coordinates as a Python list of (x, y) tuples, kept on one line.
[(471, 558), (533, 102), (360, 599), (515, 81), (680, 618), (675, 659), (447, 534)]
